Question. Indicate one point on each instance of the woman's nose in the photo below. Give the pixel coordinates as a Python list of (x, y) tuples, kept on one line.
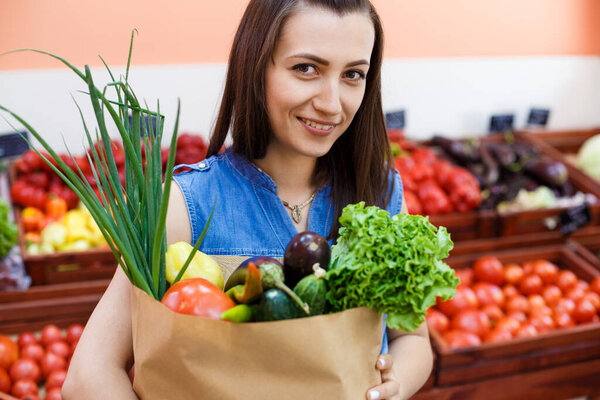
[(328, 99)]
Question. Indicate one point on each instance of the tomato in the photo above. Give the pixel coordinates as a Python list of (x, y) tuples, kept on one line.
[(566, 280), (493, 312), (584, 311), (51, 333), (458, 339), (52, 362), (473, 321), (564, 305), (489, 269), (488, 293), (53, 394), (531, 284), (498, 335), (465, 276), (535, 301), (526, 330), (517, 303), (575, 293), (25, 368), (545, 270), (508, 323), (56, 379), (9, 352), (437, 321), (197, 296), (543, 310), (464, 299), (60, 348), (513, 273), (26, 338), (551, 295), (563, 320), (518, 315), (595, 285), (33, 351), (56, 207), (31, 396), (583, 285), (594, 298), (74, 333), (5, 382), (542, 323), (23, 387), (509, 291)]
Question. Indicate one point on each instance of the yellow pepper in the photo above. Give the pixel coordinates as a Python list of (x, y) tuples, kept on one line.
[(201, 266)]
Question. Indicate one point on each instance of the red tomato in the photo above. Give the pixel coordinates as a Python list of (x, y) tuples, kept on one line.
[(24, 387), (518, 315), (595, 285), (9, 352), (493, 312), (53, 394), (564, 305), (575, 293), (508, 323), (551, 295), (52, 362), (56, 379), (594, 298), (464, 299), (465, 276), (566, 280), (473, 321), (31, 397), (458, 339), (526, 330), (497, 335), (513, 273), (582, 285), (437, 321), (51, 333), (74, 333), (563, 320), (542, 323), (517, 303), (60, 348), (509, 291), (5, 382), (33, 351), (25, 368), (489, 269), (536, 301), (584, 311), (488, 293), (197, 296), (545, 270), (26, 338), (543, 310), (531, 284)]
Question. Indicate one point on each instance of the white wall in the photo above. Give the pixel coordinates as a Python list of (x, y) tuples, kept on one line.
[(454, 96)]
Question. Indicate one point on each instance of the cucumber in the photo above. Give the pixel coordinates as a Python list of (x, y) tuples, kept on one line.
[(275, 305), (313, 290)]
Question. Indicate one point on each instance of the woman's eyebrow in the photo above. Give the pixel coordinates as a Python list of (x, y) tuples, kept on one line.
[(322, 61)]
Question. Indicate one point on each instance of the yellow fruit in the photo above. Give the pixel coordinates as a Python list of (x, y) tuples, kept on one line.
[(201, 266)]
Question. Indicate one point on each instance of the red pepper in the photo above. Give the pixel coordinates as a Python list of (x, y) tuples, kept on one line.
[(424, 155), (421, 172), (197, 296), (412, 203), (56, 207), (433, 198)]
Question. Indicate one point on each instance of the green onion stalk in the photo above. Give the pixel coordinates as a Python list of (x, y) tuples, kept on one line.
[(132, 217)]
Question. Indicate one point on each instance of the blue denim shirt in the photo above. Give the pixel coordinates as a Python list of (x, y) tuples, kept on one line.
[(250, 219)]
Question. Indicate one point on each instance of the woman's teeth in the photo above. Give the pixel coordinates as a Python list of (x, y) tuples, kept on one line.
[(316, 125)]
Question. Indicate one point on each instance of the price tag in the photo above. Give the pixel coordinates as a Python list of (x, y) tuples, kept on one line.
[(574, 218), (395, 119), (538, 116), (12, 144), (501, 123), (147, 119)]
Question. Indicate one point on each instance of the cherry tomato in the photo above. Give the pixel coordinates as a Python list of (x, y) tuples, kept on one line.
[(473, 321), (518, 315), (508, 323), (464, 299), (542, 323), (56, 379), (5, 382), (437, 321), (566, 280), (23, 387), (493, 312), (595, 285), (489, 269), (51, 333), (25, 368), (74, 333), (488, 293), (543, 310), (545, 270), (509, 291), (458, 339), (52, 362), (563, 320), (551, 295), (498, 335), (9, 352), (513, 273), (34, 352), (517, 303), (594, 298), (465, 276), (53, 394), (526, 330), (582, 285), (60, 348), (564, 305), (26, 338), (584, 311), (531, 284), (535, 301), (575, 293), (197, 296)]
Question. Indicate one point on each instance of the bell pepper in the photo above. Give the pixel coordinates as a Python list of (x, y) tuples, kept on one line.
[(197, 296), (251, 290), (33, 219), (54, 234), (56, 207), (239, 313), (201, 266)]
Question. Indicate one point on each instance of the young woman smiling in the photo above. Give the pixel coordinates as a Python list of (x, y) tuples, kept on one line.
[(302, 104)]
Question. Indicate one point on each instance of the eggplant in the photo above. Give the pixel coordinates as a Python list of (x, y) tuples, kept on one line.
[(303, 251), (461, 151), (502, 153), (547, 171), (492, 172)]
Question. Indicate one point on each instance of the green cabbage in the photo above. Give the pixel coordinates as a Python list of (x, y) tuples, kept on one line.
[(588, 158), (392, 265)]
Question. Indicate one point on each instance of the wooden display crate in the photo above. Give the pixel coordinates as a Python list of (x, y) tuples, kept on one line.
[(579, 344), (467, 226), (587, 247)]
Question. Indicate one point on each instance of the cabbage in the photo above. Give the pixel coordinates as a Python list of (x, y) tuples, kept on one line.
[(588, 158)]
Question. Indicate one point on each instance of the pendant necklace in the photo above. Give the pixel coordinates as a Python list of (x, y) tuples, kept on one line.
[(296, 209)]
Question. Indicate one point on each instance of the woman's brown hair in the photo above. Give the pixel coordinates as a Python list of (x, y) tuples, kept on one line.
[(357, 164)]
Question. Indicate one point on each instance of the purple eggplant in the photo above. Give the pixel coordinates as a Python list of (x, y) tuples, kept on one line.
[(303, 251), (547, 171)]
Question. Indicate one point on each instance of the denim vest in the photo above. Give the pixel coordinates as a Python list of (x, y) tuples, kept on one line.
[(249, 218)]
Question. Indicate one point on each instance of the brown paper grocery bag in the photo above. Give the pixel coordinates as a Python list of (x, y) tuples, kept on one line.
[(187, 357)]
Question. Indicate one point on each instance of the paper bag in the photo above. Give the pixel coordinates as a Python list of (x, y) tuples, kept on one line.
[(187, 357)]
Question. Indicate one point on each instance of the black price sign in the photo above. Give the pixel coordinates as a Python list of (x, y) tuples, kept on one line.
[(501, 123), (12, 144), (538, 116), (395, 119), (574, 218)]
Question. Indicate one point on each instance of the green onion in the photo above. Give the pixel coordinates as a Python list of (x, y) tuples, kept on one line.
[(131, 218)]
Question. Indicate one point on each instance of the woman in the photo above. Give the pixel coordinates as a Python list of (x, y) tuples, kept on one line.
[(303, 104)]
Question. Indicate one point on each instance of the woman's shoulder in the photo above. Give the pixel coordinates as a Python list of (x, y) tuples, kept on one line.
[(397, 192)]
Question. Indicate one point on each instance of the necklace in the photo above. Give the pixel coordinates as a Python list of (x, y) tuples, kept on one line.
[(296, 209)]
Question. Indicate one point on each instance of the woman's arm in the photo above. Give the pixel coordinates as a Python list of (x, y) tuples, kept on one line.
[(104, 354)]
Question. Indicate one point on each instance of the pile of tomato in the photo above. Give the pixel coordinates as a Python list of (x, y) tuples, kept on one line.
[(496, 302), (34, 361)]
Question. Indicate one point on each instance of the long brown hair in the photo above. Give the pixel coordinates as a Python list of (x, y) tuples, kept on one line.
[(356, 163)]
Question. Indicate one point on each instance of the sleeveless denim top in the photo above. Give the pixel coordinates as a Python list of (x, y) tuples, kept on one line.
[(249, 218)]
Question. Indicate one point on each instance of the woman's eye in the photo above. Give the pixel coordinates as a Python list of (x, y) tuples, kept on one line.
[(305, 69), (355, 75)]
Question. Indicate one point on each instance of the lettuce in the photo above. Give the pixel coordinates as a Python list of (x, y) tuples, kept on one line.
[(392, 265)]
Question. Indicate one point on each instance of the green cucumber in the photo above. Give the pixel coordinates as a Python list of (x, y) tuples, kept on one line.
[(275, 305), (313, 290)]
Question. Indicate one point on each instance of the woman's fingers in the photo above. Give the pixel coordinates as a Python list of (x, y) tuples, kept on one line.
[(387, 390), (384, 362)]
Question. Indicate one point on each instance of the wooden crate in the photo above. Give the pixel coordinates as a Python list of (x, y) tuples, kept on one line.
[(491, 360), (587, 247), (467, 226)]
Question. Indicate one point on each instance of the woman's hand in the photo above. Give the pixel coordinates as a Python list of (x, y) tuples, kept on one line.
[(390, 387)]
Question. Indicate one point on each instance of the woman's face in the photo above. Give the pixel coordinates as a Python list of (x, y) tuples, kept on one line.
[(316, 81)]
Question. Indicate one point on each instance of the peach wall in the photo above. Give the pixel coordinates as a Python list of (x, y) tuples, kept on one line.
[(200, 31)]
